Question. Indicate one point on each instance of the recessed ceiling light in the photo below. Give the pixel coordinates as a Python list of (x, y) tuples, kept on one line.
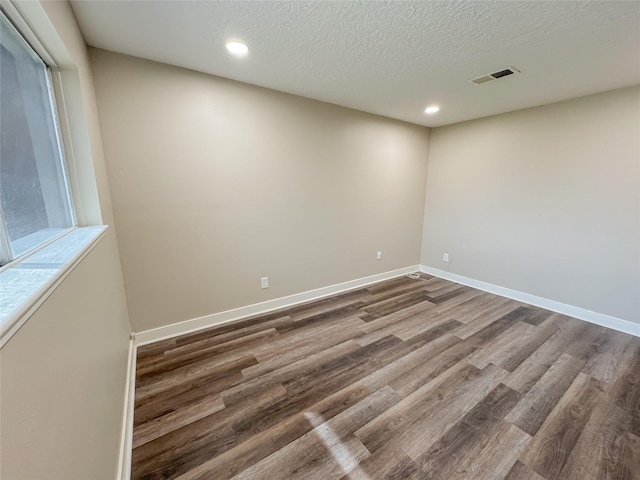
[(237, 49), (432, 109)]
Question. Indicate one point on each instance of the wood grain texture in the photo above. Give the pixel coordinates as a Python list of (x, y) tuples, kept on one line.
[(520, 471), (405, 379), (554, 441), (536, 405), (606, 449), (468, 435), (504, 445)]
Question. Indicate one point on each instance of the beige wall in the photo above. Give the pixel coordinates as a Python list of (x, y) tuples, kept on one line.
[(544, 200), (62, 375), (217, 183)]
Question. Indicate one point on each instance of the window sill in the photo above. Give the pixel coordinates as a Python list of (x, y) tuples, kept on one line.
[(26, 284)]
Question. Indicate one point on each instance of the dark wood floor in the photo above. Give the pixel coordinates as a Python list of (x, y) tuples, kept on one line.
[(404, 379)]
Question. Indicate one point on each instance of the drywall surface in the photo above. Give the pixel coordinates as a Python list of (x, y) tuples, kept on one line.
[(216, 184), (545, 201), (63, 378), (63, 374)]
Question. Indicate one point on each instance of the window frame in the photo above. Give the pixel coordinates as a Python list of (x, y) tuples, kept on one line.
[(22, 286), (8, 257)]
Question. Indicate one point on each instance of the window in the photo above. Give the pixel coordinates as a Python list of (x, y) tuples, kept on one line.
[(35, 203)]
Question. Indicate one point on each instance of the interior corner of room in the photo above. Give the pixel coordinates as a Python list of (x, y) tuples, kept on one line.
[(226, 199)]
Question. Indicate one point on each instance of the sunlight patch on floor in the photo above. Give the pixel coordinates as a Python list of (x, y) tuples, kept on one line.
[(340, 452)]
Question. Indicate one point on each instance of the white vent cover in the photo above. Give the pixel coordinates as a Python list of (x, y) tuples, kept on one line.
[(490, 77)]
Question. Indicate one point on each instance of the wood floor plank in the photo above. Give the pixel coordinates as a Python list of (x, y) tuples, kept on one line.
[(504, 445), (536, 365), (377, 383), (214, 367), (152, 351), (625, 391), (226, 336), (318, 442), (440, 460), (499, 348), (255, 384), (174, 361), (395, 291), (520, 471), (444, 288), (334, 315), (339, 457), (552, 445), (606, 449), (263, 444), (396, 304), (423, 417), (393, 328), (181, 396), (535, 316), (323, 306), (382, 322), (537, 404), (339, 330), (587, 343), (439, 296), (604, 364), (426, 328), (390, 304), (453, 304), (392, 372), (350, 367), (479, 311), (423, 373), (302, 355), (188, 446), (387, 463), (442, 389), (169, 422), (304, 390), (260, 319), (435, 283), (519, 350), (386, 285)]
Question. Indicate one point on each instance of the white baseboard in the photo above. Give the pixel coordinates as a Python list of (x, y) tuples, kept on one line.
[(601, 319), (126, 440), (188, 326)]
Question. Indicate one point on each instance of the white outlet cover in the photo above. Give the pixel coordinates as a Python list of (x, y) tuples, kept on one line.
[(445, 257)]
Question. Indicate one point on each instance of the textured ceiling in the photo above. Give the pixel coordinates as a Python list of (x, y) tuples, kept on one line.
[(391, 58)]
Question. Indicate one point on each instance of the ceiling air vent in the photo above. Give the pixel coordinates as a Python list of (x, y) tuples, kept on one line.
[(490, 77)]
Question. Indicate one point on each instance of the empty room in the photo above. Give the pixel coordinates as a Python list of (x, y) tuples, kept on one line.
[(319, 239)]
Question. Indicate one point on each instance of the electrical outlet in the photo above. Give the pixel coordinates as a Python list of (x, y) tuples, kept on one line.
[(264, 282), (445, 257), (379, 256)]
